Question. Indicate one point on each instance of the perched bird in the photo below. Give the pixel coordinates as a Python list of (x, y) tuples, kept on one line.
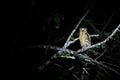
[(84, 37)]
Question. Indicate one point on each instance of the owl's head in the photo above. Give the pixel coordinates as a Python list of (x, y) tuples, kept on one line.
[(83, 29)]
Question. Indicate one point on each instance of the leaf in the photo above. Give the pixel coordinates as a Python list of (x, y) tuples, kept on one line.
[(103, 46), (66, 54)]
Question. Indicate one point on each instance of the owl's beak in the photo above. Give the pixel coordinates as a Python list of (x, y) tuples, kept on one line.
[(82, 29)]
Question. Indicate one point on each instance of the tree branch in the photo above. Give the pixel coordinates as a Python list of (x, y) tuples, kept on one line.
[(119, 30), (110, 18), (94, 35), (81, 56), (91, 24), (77, 78), (75, 54), (111, 65), (101, 54), (102, 42), (71, 42)]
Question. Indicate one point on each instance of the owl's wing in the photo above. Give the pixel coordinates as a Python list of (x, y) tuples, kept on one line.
[(88, 38)]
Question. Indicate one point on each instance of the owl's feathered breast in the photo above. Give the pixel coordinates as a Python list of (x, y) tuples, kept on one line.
[(85, 39)]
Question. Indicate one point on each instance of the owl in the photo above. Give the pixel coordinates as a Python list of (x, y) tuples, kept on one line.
[(84, 37)]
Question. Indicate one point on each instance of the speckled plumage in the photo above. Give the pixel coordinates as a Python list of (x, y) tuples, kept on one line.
[(84, 38)]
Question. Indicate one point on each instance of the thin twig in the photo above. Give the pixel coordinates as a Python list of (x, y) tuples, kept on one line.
[(105, 66), (91, 24), (111, 65), (96, 53), (94, 35), (58, 65), (42, 67), (101, 54), (105, 72), (71, 68), (71, 42), (77, 78), (108, 21), (68, 57), (84, 69), (119, 30)]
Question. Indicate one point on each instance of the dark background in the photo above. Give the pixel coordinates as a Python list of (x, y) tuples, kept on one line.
[(36, 24)]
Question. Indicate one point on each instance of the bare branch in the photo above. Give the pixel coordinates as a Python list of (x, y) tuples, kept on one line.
[(105, 71), (77, 78), (91, 24), (58, 65), (71, 68), (94, 35), (110, 18), (101, 54), (119, 30), (42, 67), (79, 56), (105, 66), (68, 57), (84, 69), (102, 42), (62, 49), (111, 65), (66, 43), (71, 42), (75, 53), (96, 53)]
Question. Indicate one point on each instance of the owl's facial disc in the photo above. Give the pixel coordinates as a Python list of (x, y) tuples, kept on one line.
[(83, 29)]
